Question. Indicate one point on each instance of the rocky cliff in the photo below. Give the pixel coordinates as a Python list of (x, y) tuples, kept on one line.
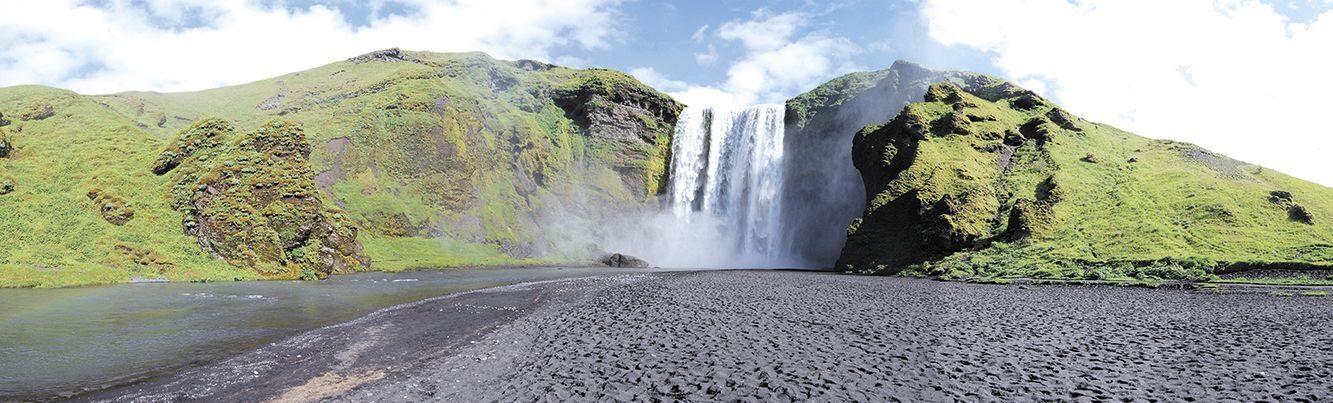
[(430, 159), (985, 179), (820, 177)]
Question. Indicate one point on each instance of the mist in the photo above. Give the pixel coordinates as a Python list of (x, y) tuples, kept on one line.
[(755, 187)]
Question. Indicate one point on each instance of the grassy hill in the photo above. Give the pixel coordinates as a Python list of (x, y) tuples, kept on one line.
[(397, 160), (436, 159), (984, 179)]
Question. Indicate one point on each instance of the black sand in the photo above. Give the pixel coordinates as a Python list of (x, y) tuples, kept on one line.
[(777, 336)]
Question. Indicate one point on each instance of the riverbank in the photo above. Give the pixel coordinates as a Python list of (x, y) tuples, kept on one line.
[(68, 341), (14, 276), (774, 335)]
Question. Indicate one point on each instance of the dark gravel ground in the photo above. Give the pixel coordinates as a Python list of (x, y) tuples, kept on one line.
[(779, 336)]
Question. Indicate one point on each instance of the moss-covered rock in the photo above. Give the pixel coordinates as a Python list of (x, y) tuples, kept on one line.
[(823, 122), (6, 147), (1300, 214), (1295, 212), (114, 209), (1029, 190), (635, 118), (919, 205), (37, 111), (251, 199)]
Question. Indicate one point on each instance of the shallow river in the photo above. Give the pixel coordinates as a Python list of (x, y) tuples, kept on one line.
[(56, 341)]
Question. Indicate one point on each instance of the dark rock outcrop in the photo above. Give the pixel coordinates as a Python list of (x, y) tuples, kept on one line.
[(1027, 101), (1299, 214), (820, 127), (1063, 119), (6, 147), (38, 111), (619, 260), (251, 200), (637, 120), (385, 55), (1295, 212), (533, 65), (921, 210)]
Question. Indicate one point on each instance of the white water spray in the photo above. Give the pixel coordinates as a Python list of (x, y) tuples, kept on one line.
[(726, 185), (724, 207)]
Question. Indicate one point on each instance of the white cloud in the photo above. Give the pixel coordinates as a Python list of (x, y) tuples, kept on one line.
[(1232, 75), (698, 35), (775, 74), (571, 61), (123, 46), (765, 31), (777, 63), (652, 77), (707, 58)]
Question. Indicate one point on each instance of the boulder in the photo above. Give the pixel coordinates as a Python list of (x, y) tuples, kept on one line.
[(1280, 196), (1027, 101), (955, 122), (1300, 214), (37, 112), (114, 209), (1062, 119), (619, 260), (250, 199)]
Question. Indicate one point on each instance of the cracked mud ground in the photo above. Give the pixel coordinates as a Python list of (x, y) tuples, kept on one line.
[(777, 336)]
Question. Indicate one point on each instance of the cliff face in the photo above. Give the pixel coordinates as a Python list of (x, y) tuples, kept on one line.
[(820, 125), (986, 179), (430, 159)]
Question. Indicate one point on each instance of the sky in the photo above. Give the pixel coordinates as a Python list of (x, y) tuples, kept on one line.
[(1246, 78)]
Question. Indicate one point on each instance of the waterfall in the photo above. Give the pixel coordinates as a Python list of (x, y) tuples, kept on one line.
[(726, 186)]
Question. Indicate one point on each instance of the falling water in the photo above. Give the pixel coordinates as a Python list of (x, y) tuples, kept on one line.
[(726, 183)]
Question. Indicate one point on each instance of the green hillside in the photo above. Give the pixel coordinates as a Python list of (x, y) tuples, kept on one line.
[(436, 159), (985, 179), (397, 160)]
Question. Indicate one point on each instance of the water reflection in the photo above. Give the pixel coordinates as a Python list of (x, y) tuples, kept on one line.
[(62, 340)]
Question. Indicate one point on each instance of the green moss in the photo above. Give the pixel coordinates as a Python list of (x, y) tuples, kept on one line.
[(657, 170), (803, 108), (988, 181), (6, 147), (420, 145), (251, 200)]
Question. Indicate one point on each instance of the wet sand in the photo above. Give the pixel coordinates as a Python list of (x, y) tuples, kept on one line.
[(777, 336)]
